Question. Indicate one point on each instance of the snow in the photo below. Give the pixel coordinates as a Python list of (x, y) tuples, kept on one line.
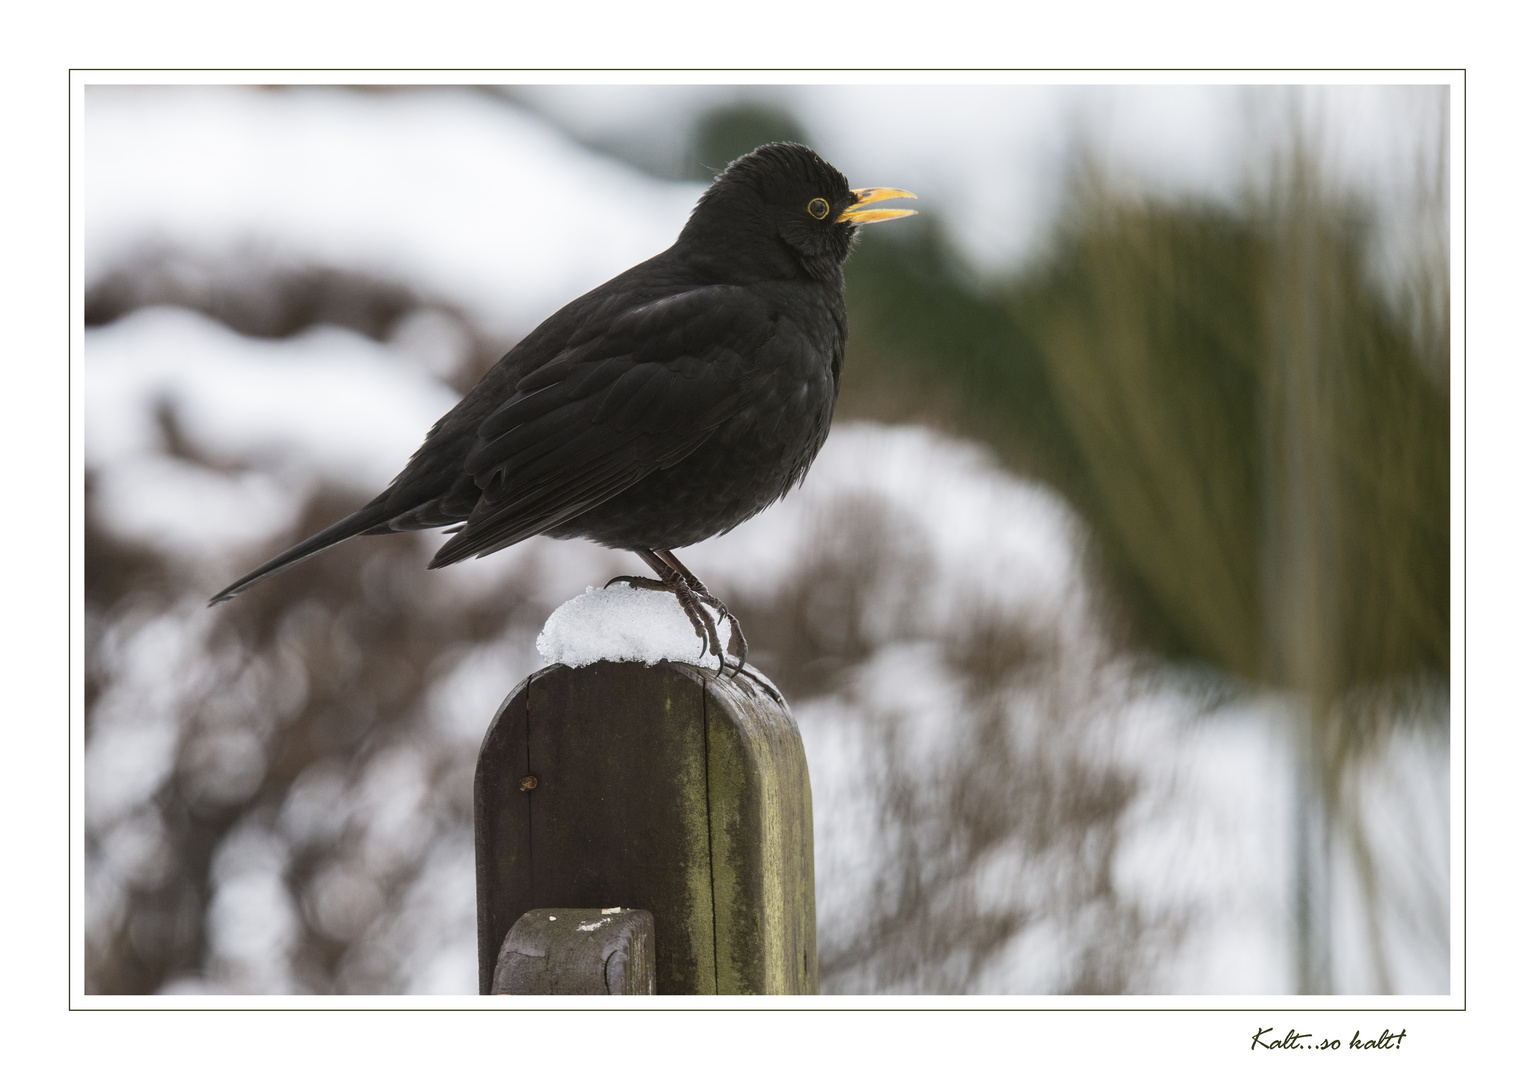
[(472, 198), (454, 193), (995, 542), (193, 512), (347, 404), (251, 920), (621, 623), (268, 419), (1207, 838)]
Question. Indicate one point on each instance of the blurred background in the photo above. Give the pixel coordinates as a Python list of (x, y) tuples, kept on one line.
[(1115, 613)]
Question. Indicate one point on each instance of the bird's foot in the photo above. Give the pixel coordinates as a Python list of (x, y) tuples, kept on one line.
[(737, 647), (696, 602), (701, 591)]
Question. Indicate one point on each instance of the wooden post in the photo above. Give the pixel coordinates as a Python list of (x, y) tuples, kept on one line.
[(578, 951), (665, 788)]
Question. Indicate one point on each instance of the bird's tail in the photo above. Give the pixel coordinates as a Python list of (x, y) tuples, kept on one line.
[(371, 516)]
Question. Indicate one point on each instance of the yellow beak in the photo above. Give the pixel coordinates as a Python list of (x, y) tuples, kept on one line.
[(864, 196)]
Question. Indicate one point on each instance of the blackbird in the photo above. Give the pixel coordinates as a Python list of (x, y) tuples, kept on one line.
[(664, 407)]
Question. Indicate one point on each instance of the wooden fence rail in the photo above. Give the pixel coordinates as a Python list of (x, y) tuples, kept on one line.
[(666, 789)]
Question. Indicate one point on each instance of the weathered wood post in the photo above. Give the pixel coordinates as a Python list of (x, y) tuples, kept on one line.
[(578, 951), (667, 789)]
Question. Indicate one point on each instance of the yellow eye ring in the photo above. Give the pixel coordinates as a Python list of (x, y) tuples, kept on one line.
[(818, 208)]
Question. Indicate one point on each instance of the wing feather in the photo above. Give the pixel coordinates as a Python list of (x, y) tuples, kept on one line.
[(608, 410)]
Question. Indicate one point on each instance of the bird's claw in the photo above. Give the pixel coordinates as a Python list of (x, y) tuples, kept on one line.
[(737, 641), (712, 645), (636, 582)]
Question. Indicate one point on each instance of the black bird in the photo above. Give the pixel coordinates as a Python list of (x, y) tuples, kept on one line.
[(667, 406)]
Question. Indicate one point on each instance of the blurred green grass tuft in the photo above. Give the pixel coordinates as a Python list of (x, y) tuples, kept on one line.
[(1257, 434)]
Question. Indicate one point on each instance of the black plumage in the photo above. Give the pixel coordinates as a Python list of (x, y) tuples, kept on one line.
[(664, 407)]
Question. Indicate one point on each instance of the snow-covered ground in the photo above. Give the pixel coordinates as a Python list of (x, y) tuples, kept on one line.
[(452, 193), (905, 556)]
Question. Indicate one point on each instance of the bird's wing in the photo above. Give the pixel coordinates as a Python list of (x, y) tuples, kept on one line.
[(637, 395)]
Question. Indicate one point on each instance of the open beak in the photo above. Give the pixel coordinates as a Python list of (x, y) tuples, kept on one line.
[(855, 215)]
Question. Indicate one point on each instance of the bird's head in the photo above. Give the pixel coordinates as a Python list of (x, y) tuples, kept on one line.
[(783, 209)]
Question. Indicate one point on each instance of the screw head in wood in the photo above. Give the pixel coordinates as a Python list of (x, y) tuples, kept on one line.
[(528, 783)]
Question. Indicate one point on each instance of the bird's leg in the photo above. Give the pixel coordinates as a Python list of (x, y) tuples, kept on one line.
[(737, 636), (692, 603), (700, 593)]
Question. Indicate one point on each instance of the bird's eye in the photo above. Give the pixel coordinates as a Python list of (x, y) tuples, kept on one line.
[(818, 208)]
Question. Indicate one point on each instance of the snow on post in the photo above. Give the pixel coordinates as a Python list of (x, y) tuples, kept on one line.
[(622, 623)]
